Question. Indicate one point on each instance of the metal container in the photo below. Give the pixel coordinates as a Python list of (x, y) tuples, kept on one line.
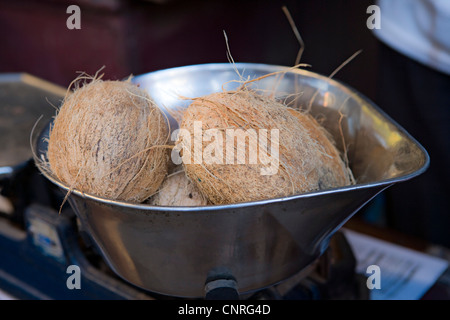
[(172, 250)]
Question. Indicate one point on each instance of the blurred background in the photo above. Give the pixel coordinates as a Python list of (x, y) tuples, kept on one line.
[(137, 36)]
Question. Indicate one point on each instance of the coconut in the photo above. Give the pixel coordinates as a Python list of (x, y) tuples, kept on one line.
[(306, 159), (178, 190), (333, 171), (108, 140)]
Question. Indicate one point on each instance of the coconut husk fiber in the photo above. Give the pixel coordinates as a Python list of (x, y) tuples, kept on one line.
[(108, 140), (333, 171), (308, 160)]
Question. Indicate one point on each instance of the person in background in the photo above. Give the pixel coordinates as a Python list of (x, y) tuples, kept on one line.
[(414, 89)]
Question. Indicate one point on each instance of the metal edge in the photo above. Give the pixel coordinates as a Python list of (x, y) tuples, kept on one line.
[(33, 81)]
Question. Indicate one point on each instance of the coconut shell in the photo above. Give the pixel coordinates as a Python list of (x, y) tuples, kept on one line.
[(178, 190), (106, 140), (308, 161)]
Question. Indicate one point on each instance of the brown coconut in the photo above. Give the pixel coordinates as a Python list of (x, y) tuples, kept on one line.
[(178, 190), (333, 171), (308, 160), (107, 140)]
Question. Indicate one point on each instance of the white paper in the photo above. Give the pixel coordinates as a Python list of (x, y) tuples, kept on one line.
[(5, 296), (404, 274)]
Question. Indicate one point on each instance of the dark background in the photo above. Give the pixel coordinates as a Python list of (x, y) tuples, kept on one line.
[(135, 37)]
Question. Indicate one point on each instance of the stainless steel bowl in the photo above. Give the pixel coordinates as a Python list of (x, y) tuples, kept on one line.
[(172, 250)]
